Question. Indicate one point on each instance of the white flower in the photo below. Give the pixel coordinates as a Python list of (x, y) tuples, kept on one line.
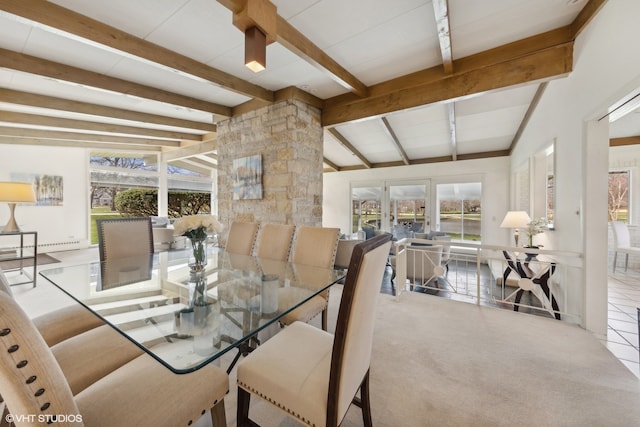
[(196, 224)]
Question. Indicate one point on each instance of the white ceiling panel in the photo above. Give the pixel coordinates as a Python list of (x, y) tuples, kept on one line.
[(370, 139), (478, 26), (139, 17), (479, 145), (373, 40)]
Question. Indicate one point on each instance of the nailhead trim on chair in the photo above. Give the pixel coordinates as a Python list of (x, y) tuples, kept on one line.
[(278, 404), (21, 364)]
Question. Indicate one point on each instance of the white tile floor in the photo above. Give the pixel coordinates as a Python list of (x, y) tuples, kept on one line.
[(622, 333)]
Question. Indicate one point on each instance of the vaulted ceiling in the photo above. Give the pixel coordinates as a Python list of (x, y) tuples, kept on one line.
[(399, 82)]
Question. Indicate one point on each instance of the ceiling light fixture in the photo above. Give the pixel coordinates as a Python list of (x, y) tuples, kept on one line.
[(255, 49)]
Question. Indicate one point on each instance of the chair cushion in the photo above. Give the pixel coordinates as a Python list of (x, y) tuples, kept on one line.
[(304, 312), (146, 393), (301, 380), (87, 357), (58, 325)]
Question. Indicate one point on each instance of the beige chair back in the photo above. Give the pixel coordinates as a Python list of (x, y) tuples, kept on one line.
[(343, 252), (315, 246), (353, 339), (241, 237), (274, 241), (124, 237), (31, 381)]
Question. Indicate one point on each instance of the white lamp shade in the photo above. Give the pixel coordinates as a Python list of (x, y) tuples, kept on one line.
[(17, 192), (515, 219)]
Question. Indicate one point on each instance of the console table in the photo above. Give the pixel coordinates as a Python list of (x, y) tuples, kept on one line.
[(18, 253)]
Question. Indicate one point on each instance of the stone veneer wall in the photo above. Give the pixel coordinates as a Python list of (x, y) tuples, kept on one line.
[(288, 136)]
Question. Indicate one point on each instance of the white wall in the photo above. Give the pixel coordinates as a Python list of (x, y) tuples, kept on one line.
[(493, 173), (606, 67), (54, 224)]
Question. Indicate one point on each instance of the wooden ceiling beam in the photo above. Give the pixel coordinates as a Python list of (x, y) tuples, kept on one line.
[(331, 165), (42, 67), (296, 42), (505, 53), (52, 15), (50, 102), (394, 138), (192, 150), (541, 65), (289, 37), (15, 140), (83, 125), (629, 140), (527, 116), (346, 144), (588, 12), (88, 137)]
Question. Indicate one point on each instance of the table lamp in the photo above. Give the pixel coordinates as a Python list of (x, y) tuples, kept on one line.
[(515, 220), (12, 193)]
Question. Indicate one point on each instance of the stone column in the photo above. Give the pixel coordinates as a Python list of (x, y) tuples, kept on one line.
[(288, 136)]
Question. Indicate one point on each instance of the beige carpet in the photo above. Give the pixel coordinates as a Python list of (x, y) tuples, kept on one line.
[(438, 362)]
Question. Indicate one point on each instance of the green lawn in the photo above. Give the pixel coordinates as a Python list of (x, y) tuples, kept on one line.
[(100, 213)]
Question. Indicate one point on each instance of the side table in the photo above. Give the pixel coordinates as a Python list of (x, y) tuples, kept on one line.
[(19, 256)]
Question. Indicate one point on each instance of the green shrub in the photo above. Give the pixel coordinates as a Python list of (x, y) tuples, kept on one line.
[(144, 202)]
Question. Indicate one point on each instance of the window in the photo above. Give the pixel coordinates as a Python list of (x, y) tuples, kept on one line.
[(460, 210), (618, 203)]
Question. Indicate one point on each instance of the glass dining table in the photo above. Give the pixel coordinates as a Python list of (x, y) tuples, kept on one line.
[(186, 319)]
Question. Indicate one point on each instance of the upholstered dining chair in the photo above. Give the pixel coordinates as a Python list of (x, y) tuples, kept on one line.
[(241, 237), (142, 392), (622, 243), (124, 237), (274, 241), (60, 324), (314, 246), (310, 374), (86, 349)]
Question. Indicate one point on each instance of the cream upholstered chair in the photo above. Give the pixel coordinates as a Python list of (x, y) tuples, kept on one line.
[(142, 392), (58, 325), (274, 241), (622, 243), (310, 374), (83, 345), (241, 237), (124, 237), (343, 252), (314, 246)]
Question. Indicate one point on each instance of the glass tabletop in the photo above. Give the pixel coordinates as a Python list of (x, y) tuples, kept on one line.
[(186, 319)]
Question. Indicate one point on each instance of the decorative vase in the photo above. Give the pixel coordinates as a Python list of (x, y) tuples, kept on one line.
[(201, 318), (198, 259)]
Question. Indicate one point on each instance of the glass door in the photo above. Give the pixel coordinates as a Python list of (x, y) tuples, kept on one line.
[(408, 207), (366, 208)]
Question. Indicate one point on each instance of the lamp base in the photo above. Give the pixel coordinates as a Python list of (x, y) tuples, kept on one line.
[(11, 226)]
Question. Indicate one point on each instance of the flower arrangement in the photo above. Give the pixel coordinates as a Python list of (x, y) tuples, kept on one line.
[(196, 227), (536, 226)]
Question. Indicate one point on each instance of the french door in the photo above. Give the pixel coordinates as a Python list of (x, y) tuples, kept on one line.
[(385, 204)]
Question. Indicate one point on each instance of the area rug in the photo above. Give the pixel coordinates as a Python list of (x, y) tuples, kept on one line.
[(43, 259), (438, 362)]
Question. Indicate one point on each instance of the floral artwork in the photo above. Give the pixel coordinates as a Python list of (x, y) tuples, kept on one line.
[(48, 188), (247, 178)]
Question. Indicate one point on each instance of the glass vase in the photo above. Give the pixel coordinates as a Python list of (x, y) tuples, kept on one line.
[(198, 258)]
